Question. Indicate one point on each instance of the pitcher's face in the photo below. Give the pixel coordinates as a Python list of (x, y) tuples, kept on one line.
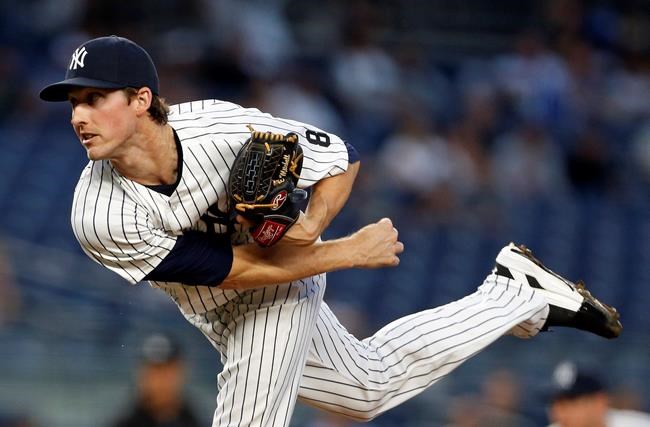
[(103, 120)]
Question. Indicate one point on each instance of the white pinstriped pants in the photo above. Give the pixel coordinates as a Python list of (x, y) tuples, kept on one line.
[(284, 343)]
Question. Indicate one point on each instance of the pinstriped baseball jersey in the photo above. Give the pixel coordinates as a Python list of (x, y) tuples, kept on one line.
[(129, 228)]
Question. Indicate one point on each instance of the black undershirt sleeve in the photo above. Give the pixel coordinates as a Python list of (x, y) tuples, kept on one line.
[(197, 259)]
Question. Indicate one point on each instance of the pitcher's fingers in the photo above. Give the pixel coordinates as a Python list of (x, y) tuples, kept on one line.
[(386, 221)]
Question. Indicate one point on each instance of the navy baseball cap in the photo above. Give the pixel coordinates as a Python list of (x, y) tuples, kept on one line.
[(570, 382), (108, 63)]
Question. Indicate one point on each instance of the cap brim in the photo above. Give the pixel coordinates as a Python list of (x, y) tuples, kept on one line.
[(554, 395), (58, 92)]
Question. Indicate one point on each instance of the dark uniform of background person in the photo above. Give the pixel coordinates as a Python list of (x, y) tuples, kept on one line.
[(160, 379)]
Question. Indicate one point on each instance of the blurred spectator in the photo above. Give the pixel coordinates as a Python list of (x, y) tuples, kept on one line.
[(365, 79), (587, 70), (480, 105), (527, 163), (415, 162), (159, 401), (580, 399), (626, 97), (470, 164), (501, 398), (464, 411), (498, 405), (256, 34), (365, 76), (534, 78), (423, 83), (298, 96)]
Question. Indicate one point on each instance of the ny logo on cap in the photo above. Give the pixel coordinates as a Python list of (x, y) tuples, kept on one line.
[(78, 58)]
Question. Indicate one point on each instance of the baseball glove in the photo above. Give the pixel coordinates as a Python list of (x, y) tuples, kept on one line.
[(262, 184)]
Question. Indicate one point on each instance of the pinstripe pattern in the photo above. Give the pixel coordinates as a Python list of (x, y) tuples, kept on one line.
[(266, 353), (279, 343), (361, 379), (130, 228)]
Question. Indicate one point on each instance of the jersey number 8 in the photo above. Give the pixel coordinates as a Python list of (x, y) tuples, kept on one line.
[(318, 138)]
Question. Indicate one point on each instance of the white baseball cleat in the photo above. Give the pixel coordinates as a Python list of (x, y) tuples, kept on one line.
[(570, 304)]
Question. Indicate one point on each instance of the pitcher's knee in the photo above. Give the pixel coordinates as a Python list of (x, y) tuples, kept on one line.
[(363, 416), (367, 408)]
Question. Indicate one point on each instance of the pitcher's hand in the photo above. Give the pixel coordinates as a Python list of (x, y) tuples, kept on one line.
[(377, 245)]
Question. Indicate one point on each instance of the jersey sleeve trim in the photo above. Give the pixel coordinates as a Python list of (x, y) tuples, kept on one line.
[(197, 259)]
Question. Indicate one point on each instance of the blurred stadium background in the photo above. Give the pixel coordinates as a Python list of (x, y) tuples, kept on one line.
[(478, 123)]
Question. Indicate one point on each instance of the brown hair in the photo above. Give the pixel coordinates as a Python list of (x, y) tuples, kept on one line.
[(158, 110)]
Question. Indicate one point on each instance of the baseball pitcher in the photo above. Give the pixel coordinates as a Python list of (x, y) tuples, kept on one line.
[(221, 207)]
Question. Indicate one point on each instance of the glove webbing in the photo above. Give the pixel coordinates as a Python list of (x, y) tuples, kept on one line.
[(267, 137)]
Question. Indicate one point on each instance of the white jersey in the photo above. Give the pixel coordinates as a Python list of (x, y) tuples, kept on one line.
[(130, 228), (278, 343)]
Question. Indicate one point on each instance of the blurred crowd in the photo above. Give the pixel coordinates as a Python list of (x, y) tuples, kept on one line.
[(558, 107), (459, 110)]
